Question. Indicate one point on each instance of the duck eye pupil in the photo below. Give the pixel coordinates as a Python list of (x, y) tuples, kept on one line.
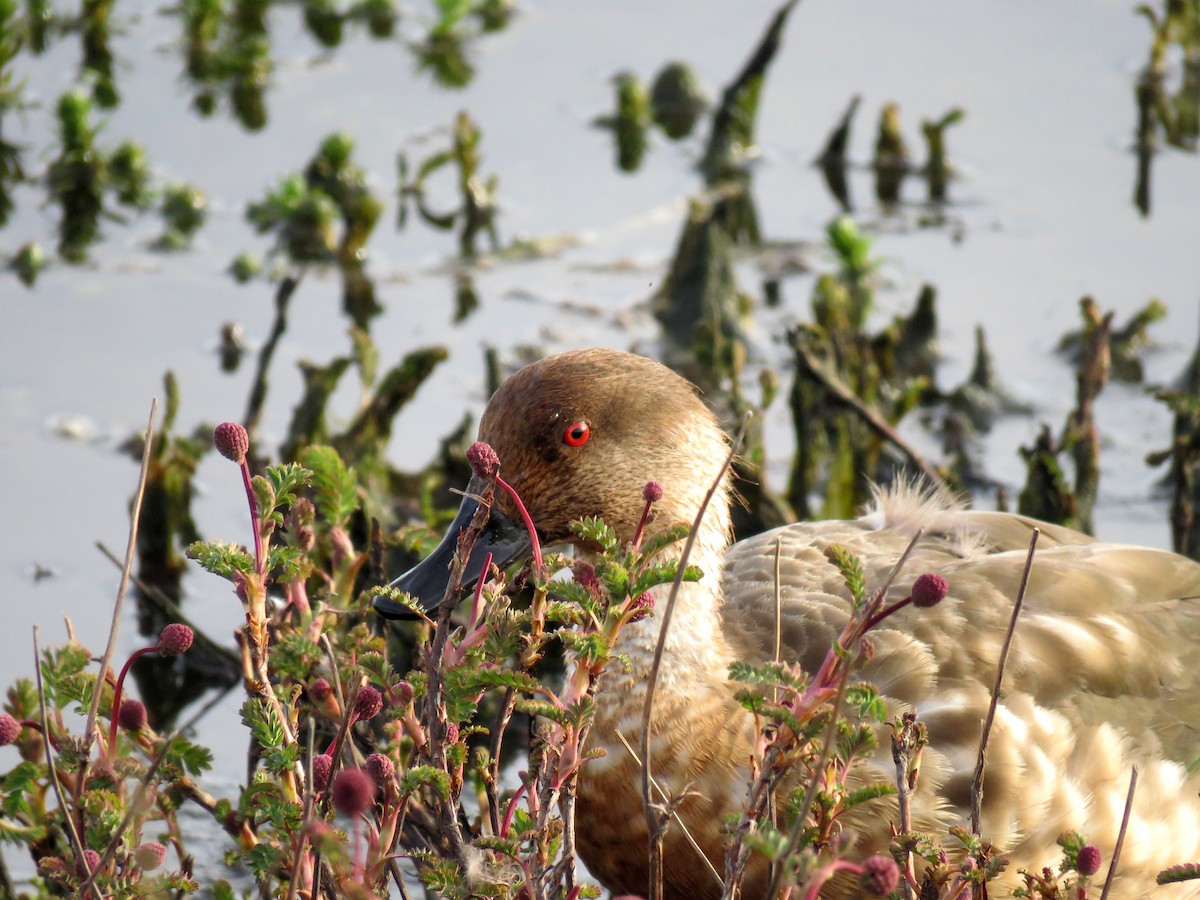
[(577, 435)]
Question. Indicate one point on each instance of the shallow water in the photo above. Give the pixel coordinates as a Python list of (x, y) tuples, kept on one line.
[(1042, 213)]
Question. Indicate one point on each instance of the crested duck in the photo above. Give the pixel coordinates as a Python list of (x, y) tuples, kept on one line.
[(1103, 671)]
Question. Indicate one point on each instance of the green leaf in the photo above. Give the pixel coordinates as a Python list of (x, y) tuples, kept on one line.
[(262, 859), (851, 570), (518, 681), (870, 792), (594, 530), (286, 563), (663, 573), (335, 486), (263, 723), (865, 698), (1176, 874), (425, 776), (221, 558), (665, 538), (395, 595), (542, 708)]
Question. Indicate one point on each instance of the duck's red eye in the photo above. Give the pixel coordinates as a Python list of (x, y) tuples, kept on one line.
[(577, 435)]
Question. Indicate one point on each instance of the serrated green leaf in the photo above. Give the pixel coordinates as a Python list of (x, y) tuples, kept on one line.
[(506, 678), (221, 558), (1176, 874), (594, 530), (425, 776), (851, 570), (665, 538), (870, 792), (543, 708), (334, 485), (286, 563)]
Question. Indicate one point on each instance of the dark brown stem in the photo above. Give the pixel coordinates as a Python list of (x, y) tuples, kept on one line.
[(492, 779)]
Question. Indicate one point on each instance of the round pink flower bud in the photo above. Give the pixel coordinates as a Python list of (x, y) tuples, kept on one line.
[(451, 733), (321, 767), (880, 875), (483, 460), (380, 768), (403, 692), (150, 855), (89, 864), (353, 792), (174, 640), (652, 492), (232, 441), (1089, 859), (10, 729), (320, 690), (132, 715), (929, 590), (368, 703)]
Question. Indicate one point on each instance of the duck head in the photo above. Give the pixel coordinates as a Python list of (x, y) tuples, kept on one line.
[(579, 434)]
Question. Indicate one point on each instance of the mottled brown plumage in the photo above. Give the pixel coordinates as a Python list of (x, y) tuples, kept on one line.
[(1103, 672)]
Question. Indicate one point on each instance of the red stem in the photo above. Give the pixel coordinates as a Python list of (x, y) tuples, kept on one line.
[(260, 562), (512, 810), (116, 707), (533, 538), (637, 535)]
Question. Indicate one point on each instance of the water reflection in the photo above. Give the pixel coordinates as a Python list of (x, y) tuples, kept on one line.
[(1168, 104), (228, 63)]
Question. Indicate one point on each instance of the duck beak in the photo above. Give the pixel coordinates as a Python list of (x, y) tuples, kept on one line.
[(428, 580)]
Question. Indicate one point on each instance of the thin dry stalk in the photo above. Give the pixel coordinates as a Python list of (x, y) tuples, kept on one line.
[(675, 815), (903, 745), (173, 612), (435, 704), (68, 817), (977, 782), (1116, 855), (655, 824), (89, 731), (294, 882)]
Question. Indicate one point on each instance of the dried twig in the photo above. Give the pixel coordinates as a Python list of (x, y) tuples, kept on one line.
[(977, 782), (874, 420), (1116, 854), (174, 613), (492, 778), (130, 548), (674, 814), (68, 817), (655, 825)]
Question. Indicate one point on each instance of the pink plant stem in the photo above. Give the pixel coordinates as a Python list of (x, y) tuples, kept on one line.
[(116, 707), (297, 596), (823, 875), (511, 810), (478, 598), (260, 562), (533, 538), (637, 535), (883, 614)]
